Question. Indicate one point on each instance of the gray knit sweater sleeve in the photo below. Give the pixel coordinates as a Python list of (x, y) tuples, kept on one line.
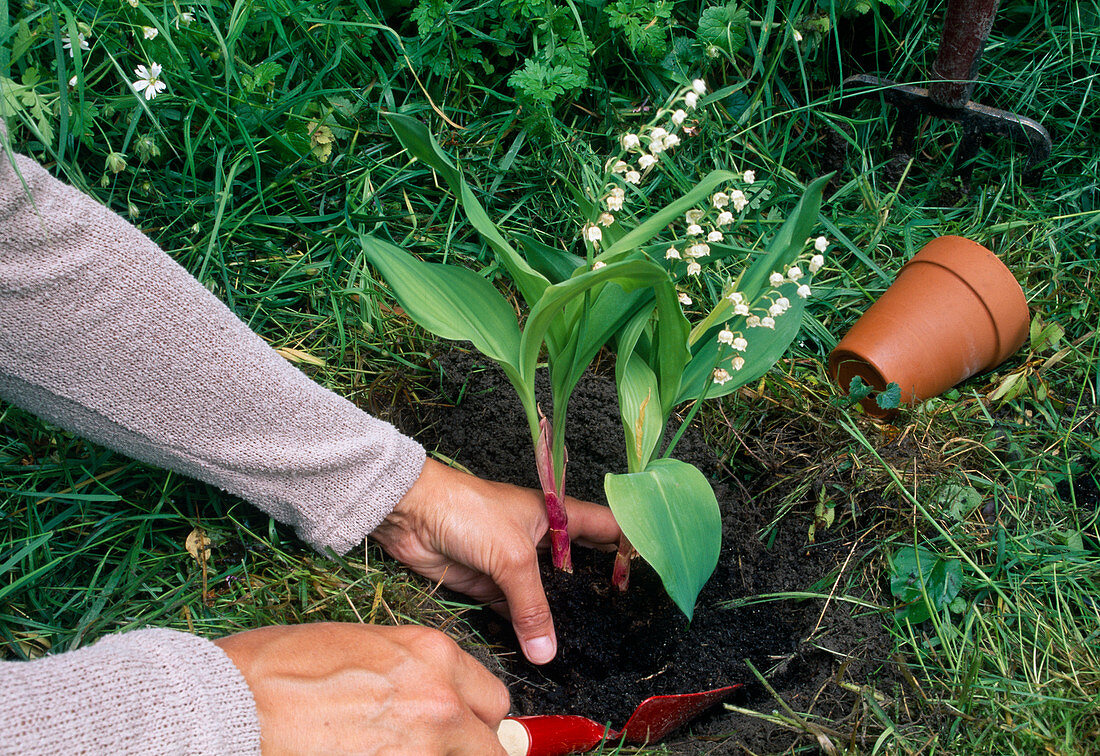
[(104, 334), (145, 692)]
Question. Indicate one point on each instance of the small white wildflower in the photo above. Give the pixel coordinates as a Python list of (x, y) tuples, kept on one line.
[(620, 166), (657, 146), (593, 233), (694, 268), (740, 344), (721, 376), (694, 229), (617, 191), (816, 263), (699, 86), (72, 81), (775, 311), (698, 250), (82, 41), (735, 297), (713, 51), (821, 244), (752, 321), (724, 218), (750, 177), (739, 200), (134, 3), (768, 322), (725, 336), (646, 161), (606, 219), (670, 141), (794, 273), (797, 35), (784, 303), (679, 116), (803, 291), (741, 309), (631, 142), (150, 32), (148, 81), (776, 279), (186, 18), (632, 177), (719, 200), (691, 100), (614, 202), (694, 215), (714, 236), (684, 298), (672, 253), (658, 133), (599, 264), (738, 362)]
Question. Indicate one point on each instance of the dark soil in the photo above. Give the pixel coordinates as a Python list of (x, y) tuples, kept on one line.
[(617, 649)]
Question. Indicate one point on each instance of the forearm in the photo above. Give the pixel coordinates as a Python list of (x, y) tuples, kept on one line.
[(145, 692), (104, 334)]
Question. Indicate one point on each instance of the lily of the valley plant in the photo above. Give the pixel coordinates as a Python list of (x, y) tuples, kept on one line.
[(630, 292)]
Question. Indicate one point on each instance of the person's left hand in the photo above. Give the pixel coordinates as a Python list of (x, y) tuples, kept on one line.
[(480, 538)]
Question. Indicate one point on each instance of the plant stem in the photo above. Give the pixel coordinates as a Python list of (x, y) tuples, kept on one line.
[(620, 575)]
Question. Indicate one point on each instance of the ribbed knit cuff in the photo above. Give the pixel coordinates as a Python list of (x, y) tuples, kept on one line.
[(150, 691)]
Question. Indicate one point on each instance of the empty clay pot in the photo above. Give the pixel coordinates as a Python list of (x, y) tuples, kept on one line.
[(954, 311)]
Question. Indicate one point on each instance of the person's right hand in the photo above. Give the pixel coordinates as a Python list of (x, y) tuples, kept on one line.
[(365, 689)]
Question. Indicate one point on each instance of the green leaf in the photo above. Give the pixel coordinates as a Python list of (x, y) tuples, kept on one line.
[(640, 409), (450, 301), (923, 582), (660, 220), (890, 397), (785, 246), (765, 348), (958, 500), (724, 26), (670, 514), (415, 137), (556, 264)]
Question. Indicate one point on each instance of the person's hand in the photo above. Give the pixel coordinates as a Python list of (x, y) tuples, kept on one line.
[(480, 538), (365, 689)]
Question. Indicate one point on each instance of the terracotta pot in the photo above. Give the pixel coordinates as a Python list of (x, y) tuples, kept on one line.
[(954, 311)]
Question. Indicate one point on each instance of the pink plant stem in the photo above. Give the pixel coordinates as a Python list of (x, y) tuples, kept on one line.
[(553, 491), (620, 575), (559, 535)]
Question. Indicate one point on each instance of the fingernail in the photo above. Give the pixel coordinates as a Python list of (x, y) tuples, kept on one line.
[(540, 650)]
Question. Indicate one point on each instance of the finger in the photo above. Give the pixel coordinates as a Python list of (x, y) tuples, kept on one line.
[(518, 577), (486, 695), (477, 740), (591, 524)]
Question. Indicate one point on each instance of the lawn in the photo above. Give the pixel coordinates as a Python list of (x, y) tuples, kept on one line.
[(265, 156)]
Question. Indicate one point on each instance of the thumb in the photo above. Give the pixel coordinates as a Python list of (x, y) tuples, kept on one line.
[(527, 607)]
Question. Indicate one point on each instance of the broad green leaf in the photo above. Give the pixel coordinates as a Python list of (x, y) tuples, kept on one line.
[(654, 224), (629, 275), (450, 301), (556, 264), (765, 348), (785, 246), (670, 514), (415, 137), (640, 409)]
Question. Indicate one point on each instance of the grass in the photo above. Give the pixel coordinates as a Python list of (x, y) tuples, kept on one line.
[(94, 543)]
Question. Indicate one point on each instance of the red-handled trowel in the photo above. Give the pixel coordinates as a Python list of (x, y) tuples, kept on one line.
[(560, 734)]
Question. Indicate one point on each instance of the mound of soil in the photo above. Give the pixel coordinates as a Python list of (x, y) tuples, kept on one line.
[(617, 649)]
